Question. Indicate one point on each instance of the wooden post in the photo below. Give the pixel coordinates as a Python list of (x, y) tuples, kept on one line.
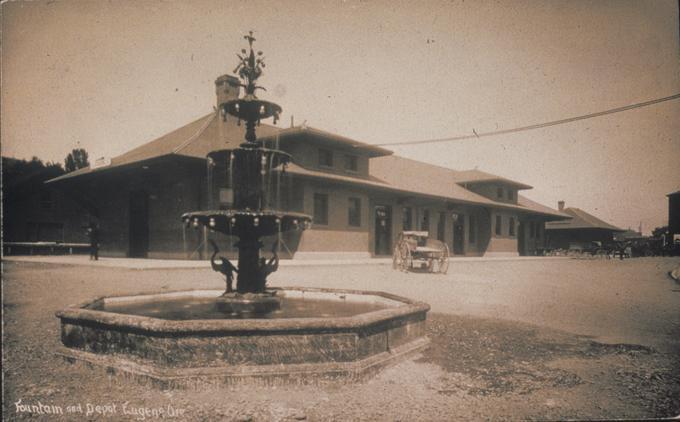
[(205, 242)]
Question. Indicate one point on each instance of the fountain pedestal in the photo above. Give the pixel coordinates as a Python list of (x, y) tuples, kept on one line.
[(251, 216), (248, 303)]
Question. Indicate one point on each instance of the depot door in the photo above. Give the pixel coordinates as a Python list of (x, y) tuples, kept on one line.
[(383, 232), (139, 224), (458, 234), (521, 243)]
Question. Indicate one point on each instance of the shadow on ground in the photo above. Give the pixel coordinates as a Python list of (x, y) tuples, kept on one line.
[(509, 358)]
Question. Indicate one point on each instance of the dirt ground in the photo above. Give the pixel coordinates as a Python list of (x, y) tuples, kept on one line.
[(554, 339)]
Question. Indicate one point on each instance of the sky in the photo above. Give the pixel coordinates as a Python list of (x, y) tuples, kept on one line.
[(110, 76)]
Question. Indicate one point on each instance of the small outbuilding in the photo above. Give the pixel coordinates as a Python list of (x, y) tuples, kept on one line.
[(674, 214), (579, 231)]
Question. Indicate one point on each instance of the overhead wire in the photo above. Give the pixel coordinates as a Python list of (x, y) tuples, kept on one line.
[(476, 134)]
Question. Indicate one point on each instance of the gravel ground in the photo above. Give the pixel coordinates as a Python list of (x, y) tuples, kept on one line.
[(510, 340)]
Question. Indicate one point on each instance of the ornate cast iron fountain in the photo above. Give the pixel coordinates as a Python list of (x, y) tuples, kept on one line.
[(252, 216), (188, 338)]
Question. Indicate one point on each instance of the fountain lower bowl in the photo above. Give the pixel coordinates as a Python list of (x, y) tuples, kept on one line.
[(193, 352), (253, 223)]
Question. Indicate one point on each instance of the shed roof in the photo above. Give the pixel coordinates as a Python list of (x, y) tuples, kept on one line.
[(580, 220)]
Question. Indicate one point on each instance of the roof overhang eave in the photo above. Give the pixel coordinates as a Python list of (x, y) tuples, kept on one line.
[(121, 167), (518, 185), (388, 188)]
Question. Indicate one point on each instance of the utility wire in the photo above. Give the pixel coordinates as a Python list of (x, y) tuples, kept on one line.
[(476, 134)]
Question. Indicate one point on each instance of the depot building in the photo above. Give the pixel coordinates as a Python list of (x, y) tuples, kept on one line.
[(359, 195)]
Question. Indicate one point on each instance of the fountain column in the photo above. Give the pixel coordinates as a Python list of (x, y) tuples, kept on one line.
[(250, 219)]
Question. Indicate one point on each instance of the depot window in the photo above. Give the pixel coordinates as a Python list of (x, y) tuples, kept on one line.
[(320, 208), (472, 229), (425, 222), (354, 212), (407, 216)]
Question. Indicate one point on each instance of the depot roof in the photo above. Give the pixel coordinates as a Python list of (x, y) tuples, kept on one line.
[(387, 171)]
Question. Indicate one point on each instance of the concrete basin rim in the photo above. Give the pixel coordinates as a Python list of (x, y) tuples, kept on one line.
[(78, 314), (379, 293)]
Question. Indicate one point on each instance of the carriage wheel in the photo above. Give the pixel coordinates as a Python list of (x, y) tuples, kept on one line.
[(396, 258), (444, 260), (407, 259), (430, 265)]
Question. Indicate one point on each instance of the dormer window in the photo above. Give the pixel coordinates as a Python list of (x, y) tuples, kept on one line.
[(499, 193), (351, 163), (325, 158), (511, 194)]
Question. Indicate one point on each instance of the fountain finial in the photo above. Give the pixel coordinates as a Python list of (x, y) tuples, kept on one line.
[(250, 67), (250, 38), (250, 108)]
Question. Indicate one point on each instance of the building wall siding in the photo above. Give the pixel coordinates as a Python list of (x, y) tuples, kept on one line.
[(533, 243), (504, 242), (174, 188), (333, 241)]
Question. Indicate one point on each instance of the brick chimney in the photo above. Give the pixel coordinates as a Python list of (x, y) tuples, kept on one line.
[(227, 88), (560, 205)]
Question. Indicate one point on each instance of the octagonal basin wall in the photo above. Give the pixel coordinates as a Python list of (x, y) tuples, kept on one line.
[(232, 343)]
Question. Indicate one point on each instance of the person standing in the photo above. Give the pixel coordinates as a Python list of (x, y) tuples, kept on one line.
[(93, 235)]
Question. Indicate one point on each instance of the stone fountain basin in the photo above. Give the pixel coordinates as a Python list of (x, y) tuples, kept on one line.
[(181, 353)]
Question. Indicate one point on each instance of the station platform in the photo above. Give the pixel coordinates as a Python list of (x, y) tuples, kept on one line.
[(148, 264)]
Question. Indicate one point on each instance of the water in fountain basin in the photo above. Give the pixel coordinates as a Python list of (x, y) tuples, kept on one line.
[(202, 308)]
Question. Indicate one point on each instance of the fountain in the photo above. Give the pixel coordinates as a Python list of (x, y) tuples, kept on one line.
[(250, 333), (251, 217)]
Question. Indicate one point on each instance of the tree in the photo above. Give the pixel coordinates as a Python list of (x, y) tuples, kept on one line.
[(21, 177), (75, 160), (659, 231)]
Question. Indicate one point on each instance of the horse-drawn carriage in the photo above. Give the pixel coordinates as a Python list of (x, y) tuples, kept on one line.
[(415, 250)]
